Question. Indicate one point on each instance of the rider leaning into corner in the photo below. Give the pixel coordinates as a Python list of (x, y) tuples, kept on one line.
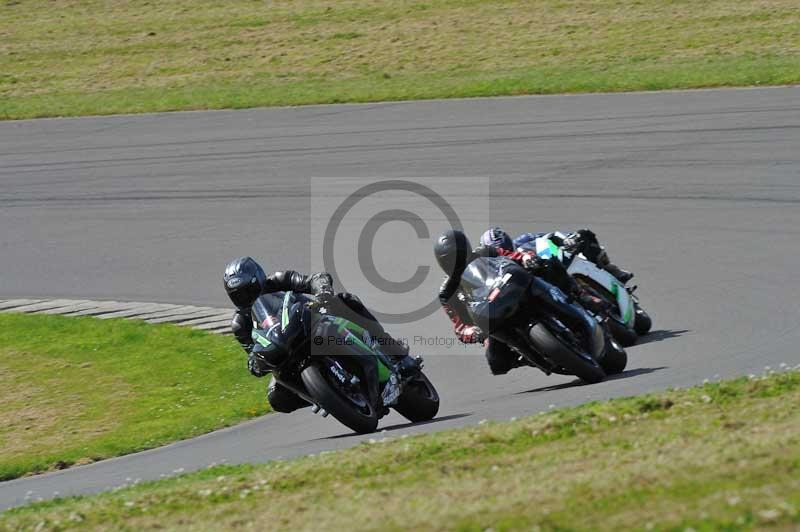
[(453, 252), (581, 241), (245, 281)]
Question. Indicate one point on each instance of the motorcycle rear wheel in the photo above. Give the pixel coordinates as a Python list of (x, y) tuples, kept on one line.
[(419, 400), (362, 420), (565, 355)]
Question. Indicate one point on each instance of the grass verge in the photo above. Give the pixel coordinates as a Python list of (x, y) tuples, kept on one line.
[(77, 390), (97, 57), (723, 456)]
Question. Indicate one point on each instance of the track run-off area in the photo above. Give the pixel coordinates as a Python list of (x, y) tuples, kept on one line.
[(697, 192)]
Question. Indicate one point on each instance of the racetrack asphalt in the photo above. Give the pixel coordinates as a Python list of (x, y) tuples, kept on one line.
[(695, 191)]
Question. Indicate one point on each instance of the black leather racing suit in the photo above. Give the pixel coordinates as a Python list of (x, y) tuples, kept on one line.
[(581, 241), (319, 285), (242, 321), (500, 357)]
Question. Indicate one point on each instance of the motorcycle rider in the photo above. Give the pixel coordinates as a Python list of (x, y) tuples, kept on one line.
[(453, 253), (245, 281), (581, 241)]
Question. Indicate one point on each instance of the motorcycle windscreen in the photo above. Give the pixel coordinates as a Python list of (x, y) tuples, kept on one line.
[(276, 307), (266, 311), (495, 287)]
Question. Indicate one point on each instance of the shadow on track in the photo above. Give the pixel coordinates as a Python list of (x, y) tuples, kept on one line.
[(402, 426), (660, 335), (633, 373), (577, 382), (553, 387), (434, 420)]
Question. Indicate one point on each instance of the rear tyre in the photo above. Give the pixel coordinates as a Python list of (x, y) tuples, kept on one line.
[(642, 324), (565, 356), (615, 358), (622, 334), (419, 401), (362, 419)]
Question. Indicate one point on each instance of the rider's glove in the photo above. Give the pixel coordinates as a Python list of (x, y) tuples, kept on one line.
[(530, 261), (602, 259), (325, 300), (257, 365), (573, 244), (469, 334), (587, 235), (320, 282)]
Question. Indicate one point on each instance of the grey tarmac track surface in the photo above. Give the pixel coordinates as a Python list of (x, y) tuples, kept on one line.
[(697, 192)]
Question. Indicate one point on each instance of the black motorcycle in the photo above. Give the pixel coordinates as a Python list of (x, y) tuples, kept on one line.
[(538, 321), (333, 364)]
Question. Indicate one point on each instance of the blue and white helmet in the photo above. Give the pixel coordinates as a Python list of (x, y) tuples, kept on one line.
[(497, 238)]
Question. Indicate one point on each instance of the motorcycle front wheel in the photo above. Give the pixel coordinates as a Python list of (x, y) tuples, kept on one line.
[(565, 356), (642, 323), (615, 358), (622, 333), (352, 409)]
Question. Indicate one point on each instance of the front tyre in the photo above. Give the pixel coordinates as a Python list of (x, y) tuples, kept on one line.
[(419, 400), (350, 409), (621, 333), (565, 356)]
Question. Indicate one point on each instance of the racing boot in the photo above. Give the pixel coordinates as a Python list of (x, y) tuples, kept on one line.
[(408, 365), (501, 358), (392, 387), (604, 262), (391, 390), (397, 352), (622, 275)]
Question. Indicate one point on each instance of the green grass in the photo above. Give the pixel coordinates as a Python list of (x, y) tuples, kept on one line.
[(72, 58), (77, 390), (723, 456)]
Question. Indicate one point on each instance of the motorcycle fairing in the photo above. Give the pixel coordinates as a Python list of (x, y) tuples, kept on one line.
[(580, 265), (348, 338), (494, 287), (546, 249)]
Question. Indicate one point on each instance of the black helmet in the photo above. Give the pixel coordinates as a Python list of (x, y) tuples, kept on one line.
[(244, 281), (451, 250), (497, 238)]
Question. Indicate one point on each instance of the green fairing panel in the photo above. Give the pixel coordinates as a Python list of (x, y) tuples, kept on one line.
[(628, 311), (261, 339), (285, 313), (354, 329)]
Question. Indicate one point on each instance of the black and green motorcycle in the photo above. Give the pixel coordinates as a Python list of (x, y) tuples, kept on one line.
[(333, 364)]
